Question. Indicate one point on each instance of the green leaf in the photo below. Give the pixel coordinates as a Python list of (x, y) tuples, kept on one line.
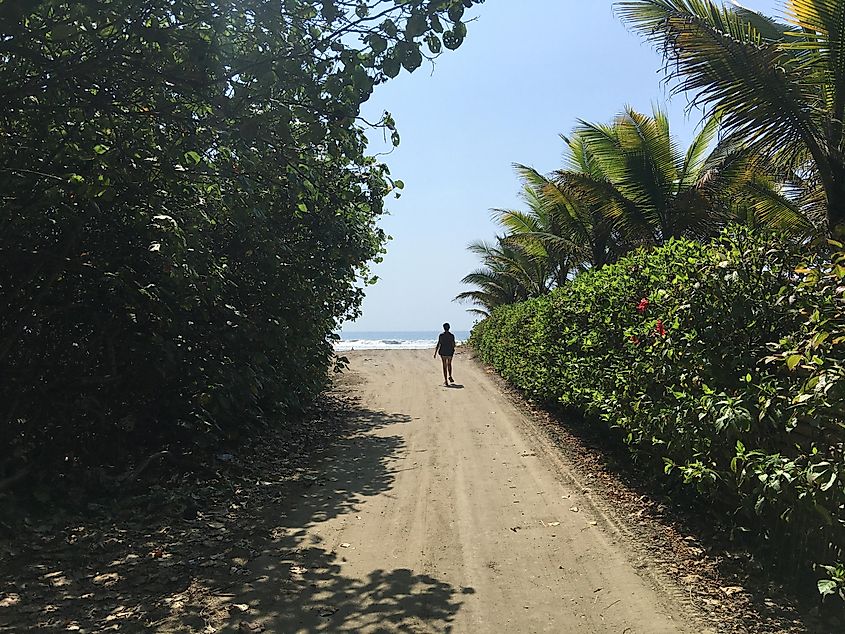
[(391, 65), (329, 10), (389, 27), (377, 43), (830, 482), (793, 360), (412, 58), (819, 339), (416, 26), (456, 12), (452, 40), (827, 586)]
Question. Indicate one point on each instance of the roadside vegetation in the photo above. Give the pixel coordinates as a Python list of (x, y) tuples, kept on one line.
[(188, 211), (692, 302)]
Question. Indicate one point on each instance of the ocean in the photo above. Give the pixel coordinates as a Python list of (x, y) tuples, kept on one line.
[(398, 340)]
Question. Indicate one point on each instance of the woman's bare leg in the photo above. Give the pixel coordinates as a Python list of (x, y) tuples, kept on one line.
[(449, 367), (445, 361)]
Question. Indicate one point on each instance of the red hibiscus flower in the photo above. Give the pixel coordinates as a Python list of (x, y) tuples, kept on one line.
[(642, 305), (661, 330)]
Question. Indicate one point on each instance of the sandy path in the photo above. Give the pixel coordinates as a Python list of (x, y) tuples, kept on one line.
[(444, 514)]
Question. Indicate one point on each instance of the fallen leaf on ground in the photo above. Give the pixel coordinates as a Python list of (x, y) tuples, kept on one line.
[(107, 578), (731, 590), (346, 545), (120, 613), (574, 509), (553, 524), (239, 607)]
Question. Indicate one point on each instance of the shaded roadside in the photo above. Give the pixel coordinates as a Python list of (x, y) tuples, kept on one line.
[(229, 552)]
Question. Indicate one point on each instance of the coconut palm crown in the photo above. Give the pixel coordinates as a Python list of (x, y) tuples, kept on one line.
[(779, 86), (508, 275)]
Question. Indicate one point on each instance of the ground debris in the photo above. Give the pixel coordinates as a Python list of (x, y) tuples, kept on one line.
[(168, 555)]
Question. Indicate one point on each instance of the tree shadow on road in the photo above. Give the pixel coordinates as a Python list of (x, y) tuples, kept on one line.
[(231, 554)]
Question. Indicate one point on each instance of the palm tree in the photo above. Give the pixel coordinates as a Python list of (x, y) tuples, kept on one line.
[(647, 188), (626, 185), (780, 88), (509, 274), (573, 231), (536, 231)]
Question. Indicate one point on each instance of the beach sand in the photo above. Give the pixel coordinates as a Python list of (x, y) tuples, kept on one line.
[(449, 512)]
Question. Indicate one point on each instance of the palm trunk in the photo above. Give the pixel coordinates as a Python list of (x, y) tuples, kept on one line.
[(835, 189)]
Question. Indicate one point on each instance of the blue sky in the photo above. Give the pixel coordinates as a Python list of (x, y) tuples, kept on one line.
[(528, 70)]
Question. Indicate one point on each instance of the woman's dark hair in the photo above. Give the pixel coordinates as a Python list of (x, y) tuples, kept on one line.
[(446, 327)]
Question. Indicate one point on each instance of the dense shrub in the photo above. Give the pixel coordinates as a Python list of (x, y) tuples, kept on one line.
[(720, 364), (188, 211)]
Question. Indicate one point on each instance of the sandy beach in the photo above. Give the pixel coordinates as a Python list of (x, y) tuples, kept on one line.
[(457, 516)]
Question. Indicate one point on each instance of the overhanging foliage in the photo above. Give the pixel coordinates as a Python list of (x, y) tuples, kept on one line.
[(187, 205)]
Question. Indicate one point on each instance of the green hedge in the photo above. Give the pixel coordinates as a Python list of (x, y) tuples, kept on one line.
[(720, 364), (189, 210)]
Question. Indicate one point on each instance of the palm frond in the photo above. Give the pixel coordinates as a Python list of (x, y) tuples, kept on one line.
[(725, 59), (694, 159), (825, 20), (770, 30)]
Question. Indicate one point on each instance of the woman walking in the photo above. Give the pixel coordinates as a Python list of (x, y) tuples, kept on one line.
[(446, 348)]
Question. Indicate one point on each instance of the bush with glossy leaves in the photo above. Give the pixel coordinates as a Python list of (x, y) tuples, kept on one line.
[(719, 364), (188, 211)]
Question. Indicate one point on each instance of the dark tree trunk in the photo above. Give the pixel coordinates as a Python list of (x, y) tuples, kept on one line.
[(832, 176), (836, 206)]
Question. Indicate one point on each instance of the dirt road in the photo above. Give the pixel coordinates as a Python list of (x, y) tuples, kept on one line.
[(393, 505), (445, 513)]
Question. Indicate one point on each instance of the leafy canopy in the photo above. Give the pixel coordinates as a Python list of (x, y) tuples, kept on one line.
[(188, 207)]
